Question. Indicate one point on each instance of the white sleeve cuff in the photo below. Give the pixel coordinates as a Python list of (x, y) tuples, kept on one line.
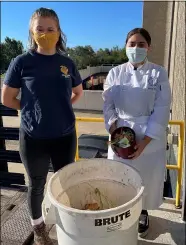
[(155, 131)]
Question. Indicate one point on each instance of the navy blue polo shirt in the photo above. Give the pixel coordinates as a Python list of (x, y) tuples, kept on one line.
[(46, 83)]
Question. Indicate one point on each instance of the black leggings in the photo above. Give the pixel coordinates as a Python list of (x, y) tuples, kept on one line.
[(36, 156)]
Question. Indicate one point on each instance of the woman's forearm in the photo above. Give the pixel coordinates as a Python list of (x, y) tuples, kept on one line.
[(75, 98), (13, 103), (9, 97)]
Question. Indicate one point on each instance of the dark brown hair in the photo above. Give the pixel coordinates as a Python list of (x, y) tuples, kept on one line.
[(142, 32), (45, 12)]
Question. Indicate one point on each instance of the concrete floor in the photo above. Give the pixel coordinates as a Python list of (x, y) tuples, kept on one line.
[(166, 225)]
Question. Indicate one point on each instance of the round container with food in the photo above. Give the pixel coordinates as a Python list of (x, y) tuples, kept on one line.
[(123, 141)]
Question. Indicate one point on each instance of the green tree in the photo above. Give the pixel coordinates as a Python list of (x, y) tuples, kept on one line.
[(112, 56), (86, 56), (10, 48), (83, 56)]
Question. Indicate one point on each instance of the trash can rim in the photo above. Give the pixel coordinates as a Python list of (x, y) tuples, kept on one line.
[(132, 202)]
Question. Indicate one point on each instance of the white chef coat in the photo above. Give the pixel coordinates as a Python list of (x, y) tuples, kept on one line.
[(140, 99)]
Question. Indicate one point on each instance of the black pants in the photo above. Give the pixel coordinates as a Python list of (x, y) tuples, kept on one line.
[(36, 156)]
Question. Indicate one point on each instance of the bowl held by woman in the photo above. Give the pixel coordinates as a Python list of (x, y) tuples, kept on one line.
[(123, 141)]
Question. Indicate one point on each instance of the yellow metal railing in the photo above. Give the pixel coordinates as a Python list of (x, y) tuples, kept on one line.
[(178, 167)]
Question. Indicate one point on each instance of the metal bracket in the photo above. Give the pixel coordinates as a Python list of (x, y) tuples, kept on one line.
[(172, 139)]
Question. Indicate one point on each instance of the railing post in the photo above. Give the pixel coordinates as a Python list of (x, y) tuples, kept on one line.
[(77, 147), (184, 182), (184, 196), (3, 164)]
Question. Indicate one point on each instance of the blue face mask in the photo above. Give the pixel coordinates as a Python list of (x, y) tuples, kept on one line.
[(136, 55)]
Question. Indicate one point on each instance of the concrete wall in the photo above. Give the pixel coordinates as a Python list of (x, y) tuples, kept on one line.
[(93, 70), (166, 23), (177, 63), (91, 100), (157, 19)]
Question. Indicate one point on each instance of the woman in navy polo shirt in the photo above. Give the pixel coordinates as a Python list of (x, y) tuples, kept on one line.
[(50, 83)]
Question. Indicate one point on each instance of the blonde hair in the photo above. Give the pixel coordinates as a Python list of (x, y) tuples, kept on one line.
[(45, 12)]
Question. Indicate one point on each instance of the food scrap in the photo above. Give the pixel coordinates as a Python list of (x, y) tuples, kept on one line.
[(123, 139), (92, 206)]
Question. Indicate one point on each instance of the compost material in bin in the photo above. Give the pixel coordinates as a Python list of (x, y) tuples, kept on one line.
[(96, 195), (94, 206)]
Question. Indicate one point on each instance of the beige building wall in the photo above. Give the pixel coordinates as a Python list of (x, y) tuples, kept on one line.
[(166, 23), (178, 65)]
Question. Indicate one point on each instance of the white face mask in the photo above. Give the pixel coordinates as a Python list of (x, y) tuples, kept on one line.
[(136, 55)]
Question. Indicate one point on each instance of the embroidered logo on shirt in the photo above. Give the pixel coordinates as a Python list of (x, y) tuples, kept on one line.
[(64, 70), (152, 82)]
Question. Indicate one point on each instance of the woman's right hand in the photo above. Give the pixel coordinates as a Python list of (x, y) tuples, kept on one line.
[(113, 127)]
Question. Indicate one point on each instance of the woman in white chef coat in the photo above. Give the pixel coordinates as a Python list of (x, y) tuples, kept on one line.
[(137, 94)]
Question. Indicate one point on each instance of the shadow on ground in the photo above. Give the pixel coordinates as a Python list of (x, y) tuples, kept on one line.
[(160, 226)]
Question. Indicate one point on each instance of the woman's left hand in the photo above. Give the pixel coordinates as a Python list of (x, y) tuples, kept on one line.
[(140, 147)]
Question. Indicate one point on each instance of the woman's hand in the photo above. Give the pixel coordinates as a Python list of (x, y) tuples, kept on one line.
[(140, 147)]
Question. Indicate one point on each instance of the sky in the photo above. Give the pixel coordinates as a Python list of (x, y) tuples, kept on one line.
[(99, 24)]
